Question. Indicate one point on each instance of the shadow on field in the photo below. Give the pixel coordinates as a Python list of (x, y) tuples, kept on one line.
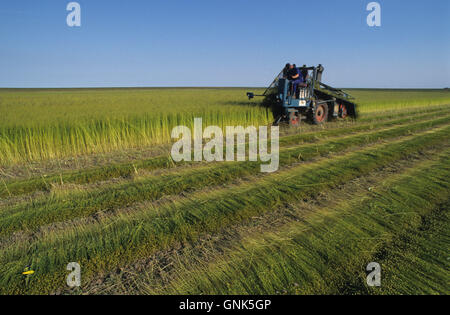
[(268, 102)]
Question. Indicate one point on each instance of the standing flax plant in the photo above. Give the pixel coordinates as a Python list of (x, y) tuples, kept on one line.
[(372, 100), (45, 124), (41, 124)]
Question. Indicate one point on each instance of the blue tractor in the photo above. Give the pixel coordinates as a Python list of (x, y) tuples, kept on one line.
[(313, 101)]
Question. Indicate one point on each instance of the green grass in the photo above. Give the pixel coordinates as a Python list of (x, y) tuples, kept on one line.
[(44, 124), (327, 253), (126, 238), (47, 211), (417, 260), (112, 217), (376, 100), (125, 170)]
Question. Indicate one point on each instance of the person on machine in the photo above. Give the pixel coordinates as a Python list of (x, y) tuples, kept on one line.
[(286, 71), (297, 80), (304, 73), (292, 75)]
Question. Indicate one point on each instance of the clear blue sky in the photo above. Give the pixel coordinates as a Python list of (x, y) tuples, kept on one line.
[(222, 43)]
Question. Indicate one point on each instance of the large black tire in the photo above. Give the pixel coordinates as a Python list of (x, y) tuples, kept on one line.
[(319, 114)]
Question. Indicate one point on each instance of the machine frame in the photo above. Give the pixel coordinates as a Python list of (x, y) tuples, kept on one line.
[(317, 101)]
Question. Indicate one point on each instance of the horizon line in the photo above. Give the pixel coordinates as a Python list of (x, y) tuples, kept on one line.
[(207, 87)]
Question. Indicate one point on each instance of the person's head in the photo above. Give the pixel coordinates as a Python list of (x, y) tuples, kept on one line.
[(304, 71), (291, 66), (288, 65)]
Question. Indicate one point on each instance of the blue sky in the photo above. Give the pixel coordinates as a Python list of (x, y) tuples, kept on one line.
[(222, 43)]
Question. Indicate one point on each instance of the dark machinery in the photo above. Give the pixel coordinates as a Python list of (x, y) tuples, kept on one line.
[(315, 101)]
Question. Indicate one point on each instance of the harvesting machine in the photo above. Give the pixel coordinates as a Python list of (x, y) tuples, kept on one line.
[(315, 101)]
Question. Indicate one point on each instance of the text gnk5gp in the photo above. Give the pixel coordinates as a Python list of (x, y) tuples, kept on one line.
[(213, 149)]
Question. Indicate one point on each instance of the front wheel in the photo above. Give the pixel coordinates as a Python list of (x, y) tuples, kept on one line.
[(320, 113), (294, 119)]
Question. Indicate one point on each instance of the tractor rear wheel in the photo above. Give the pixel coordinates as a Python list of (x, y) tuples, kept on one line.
[(320, 113)]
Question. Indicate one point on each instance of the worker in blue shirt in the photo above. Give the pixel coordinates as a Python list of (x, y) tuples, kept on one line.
[(292, 75), (304, 72), (297, 80)]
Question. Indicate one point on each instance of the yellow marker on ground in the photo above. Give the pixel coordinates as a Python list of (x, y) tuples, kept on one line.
[(29, 272)]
